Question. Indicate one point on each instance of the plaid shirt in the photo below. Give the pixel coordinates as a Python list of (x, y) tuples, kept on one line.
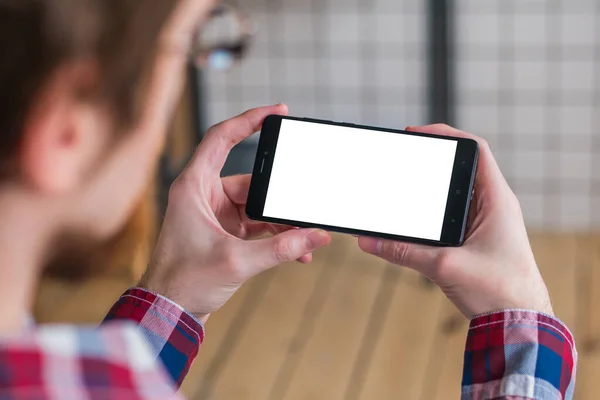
[(510, 354), (117, 361), (516, 354)]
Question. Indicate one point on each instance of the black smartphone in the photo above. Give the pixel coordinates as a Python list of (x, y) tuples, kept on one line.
[(363, 180)]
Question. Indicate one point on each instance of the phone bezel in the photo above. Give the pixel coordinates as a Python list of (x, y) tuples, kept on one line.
[(459, 193)]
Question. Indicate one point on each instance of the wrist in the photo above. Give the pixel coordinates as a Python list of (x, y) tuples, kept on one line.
[(539, 305), (521, 289), (547, 312), (202, 317), (165, 286), (145, 285)]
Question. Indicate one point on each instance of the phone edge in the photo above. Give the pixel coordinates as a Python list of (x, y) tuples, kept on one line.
[(350, 231)]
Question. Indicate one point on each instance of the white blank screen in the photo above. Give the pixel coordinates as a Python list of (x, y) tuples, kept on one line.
[(361, 179)]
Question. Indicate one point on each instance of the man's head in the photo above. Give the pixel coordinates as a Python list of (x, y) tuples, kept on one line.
[(87, 88)]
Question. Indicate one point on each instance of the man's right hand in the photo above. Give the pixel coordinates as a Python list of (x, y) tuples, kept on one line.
[(495, 268)]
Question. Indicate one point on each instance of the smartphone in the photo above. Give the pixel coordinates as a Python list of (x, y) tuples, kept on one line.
[(362, 180)]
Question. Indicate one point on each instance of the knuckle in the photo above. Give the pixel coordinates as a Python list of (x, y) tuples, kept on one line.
[(443, 126), (444, 265), (480, 141), (399, 252), (176, 189), (213, 130), (282, 250), (234, 266), (514, 202), (484, 144), (218, 131), (180, 188)]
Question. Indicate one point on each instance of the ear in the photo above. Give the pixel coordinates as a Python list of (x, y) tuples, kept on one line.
[(64, 134)]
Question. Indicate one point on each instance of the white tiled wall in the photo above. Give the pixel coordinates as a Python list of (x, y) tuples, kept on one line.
[(347, 60), (528, 80)]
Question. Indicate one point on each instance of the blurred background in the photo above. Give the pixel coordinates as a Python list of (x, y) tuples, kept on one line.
[(523, 74)]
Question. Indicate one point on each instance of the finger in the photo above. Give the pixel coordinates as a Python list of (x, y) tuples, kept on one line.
[(443, 130), (236, 188), (256, 229), (287, 246), (277, 229), (306, 259), (421, 258), (221, 138), (489, 178)]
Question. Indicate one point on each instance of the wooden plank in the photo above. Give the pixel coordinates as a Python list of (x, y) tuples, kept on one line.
[(400, 359), (271, 332), (414, 278), (588, 370), (377, 319), (326, 364), (588, 288), (211, 355), (449, 354), (556, 256), (588, 327)]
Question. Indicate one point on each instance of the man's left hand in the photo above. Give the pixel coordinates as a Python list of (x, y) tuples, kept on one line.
[(205, 252)]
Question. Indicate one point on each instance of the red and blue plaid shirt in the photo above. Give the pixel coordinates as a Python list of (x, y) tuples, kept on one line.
[(146, 345)]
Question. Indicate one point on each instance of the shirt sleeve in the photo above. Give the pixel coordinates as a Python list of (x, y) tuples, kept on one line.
[(173, 334), (78, 362), (520, 354)]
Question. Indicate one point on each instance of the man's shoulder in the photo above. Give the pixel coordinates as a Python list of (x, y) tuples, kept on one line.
[(58, 361)]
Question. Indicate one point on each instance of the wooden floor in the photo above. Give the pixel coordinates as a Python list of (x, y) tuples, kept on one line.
[(352, 327)]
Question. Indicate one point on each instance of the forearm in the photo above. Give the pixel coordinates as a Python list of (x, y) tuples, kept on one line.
[(173, 335), (518, 354)]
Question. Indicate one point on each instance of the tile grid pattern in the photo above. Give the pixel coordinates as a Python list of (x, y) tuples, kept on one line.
[(527, 81), (350, 60)]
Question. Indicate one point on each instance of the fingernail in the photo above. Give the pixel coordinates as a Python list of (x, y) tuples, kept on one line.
[(317, 238), (372, 246)]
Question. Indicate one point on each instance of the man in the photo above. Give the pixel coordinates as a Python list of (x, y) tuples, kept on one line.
[(82, 122)]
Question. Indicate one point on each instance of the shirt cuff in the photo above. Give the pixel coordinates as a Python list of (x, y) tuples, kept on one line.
[(173, 334), (519, 353)]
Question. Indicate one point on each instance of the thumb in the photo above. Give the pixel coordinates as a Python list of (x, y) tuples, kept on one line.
[(284, 247), (424, 259)]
